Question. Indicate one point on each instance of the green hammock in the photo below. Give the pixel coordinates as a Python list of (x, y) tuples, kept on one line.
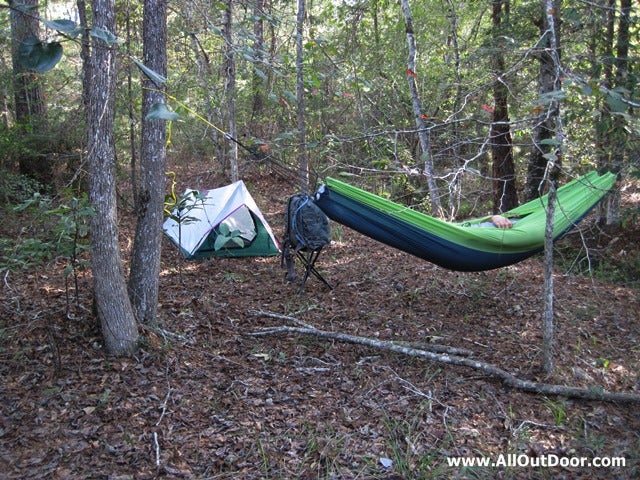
[(462, 246)]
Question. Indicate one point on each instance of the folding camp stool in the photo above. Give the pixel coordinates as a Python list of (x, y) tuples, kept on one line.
[(309, 260)]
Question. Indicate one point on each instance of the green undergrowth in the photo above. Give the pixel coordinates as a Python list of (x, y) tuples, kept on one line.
[(611, 256)]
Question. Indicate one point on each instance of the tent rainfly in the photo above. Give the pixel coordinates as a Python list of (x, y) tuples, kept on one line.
[(223, 222)]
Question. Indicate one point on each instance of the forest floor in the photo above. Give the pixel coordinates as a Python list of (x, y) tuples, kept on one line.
[(204, 399)]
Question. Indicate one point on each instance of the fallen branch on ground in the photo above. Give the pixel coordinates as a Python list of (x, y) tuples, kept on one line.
[(491, 370)]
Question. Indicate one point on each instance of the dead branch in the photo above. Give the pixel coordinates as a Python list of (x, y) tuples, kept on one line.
[(420, 346), (491, 370)]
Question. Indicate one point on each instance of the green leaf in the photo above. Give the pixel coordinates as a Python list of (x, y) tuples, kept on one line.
[(587, 89), (616, 102), (220, 242), (64, 26), (238, 241), (290, 97), (550, 141), (38, 56), (154, 76), (260, 73), (105, 35), (224, 229), (160, 111)]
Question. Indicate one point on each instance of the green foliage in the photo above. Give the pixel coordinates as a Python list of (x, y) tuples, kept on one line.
[(39, 56), (61, 230), (155, 77), (227, 236), (16, 188), (178, 209), (558, 409)]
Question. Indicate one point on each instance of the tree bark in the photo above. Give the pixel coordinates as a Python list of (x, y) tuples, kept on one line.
[(544, 130), (257, 83), (230, 89), (119, 328), (505, 195), (423, 133), (303, 160), (30, 106), (455, 185), (85, 52), (603, 120), (147, 246), (616, 137), (553, 159)]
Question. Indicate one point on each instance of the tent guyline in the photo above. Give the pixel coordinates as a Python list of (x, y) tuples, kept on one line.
[(163, 113), (468, 246)]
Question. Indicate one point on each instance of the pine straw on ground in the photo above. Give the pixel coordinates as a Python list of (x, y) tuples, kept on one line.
[(203, 399)]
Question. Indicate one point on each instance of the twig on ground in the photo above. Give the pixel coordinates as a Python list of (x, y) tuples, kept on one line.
[(489, 369), (157, 448), (264, 313), (164, 405), (463, 352)]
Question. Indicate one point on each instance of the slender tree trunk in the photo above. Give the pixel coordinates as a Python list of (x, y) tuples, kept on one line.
[(204, 78), (423, 133), (505, 195), (135, 186), (544, 129), (230, 89), (455, 186), (85, 51), (617, 137), (119, 328), (257, 81), (548, 319), (28, 89), (147, 246), (603, 123), (551, 15), (303, 161), (30, 106)]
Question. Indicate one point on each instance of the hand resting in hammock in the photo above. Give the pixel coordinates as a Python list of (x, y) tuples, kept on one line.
[(501, 222), (497, 221)]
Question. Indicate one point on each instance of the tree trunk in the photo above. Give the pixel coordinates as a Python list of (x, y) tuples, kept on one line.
[(603, 120), (423, 133), (616, 138), (30, 106), (455, 185), (303, 161), (114, 310), (551, 15), (147, 246), (85, 52), (131, 110), (230, 89), (257, 82), (543, 132), (505, 195)]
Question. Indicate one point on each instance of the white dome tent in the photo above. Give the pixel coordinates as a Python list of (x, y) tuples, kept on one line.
[(224, 222)]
